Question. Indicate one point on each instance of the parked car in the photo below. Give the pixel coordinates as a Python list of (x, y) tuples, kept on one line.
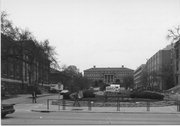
[(7, 109), (55, 88)]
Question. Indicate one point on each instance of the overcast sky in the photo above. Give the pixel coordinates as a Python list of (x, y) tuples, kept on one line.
[(105, 33)]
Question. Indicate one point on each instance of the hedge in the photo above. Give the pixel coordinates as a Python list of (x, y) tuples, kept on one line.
[(88, 94), (147, 95)]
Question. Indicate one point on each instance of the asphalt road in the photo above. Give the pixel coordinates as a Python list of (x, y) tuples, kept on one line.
[(70, 118)]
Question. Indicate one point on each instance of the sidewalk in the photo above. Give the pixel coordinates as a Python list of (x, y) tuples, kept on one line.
[(55, 108), (21, 98)]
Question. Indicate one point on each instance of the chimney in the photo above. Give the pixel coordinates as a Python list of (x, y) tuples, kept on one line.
[(94, 66), (122, 66)]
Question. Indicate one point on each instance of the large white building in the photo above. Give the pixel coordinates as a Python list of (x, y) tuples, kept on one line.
[(108, 75)]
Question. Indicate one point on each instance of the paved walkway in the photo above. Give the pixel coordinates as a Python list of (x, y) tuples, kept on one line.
[(21, 98)]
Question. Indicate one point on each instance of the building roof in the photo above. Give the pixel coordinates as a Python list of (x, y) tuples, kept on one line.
[(142, 66), (109, 69), (168, 47)]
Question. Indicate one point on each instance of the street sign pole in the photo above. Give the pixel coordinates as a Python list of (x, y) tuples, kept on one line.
[(60, 88), (58, 100)]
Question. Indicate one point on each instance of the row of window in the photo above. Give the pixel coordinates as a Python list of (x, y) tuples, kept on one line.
[(11, 68), (107, 72), (94, 75)]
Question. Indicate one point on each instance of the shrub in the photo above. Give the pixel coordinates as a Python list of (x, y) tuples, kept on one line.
[(53, 91), (38, 91), (30, 89), (147, 95), (88, 94), (66, 95)]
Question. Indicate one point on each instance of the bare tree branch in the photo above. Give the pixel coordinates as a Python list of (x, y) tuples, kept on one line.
[(177, 30), (174, 34)]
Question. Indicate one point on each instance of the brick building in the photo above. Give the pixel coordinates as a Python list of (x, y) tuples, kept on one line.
[(23, 64), (108, 75)]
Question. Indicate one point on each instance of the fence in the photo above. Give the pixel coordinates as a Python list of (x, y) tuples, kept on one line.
[(120, 104)]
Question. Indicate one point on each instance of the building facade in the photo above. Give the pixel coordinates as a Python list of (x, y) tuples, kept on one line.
[(157, 66), (22, 65), (139, 75), (177, 63), (108, 75)]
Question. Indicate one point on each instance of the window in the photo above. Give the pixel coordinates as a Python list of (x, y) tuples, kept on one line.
[(11, 69), (4, 68), (177, 53), (25, 69), (18, 70), (11, 50), (4, 51), (17, 52), (176, 79), (177, 66)]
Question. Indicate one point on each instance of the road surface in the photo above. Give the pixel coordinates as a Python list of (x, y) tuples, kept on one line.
[(70, 118)]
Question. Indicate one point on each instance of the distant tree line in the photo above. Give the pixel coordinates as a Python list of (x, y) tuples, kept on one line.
[(72, 79)]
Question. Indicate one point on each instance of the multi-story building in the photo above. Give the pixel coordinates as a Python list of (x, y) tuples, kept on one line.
[(177, 63), (138, 76), (108, 75), (23, 64), (156, 67)]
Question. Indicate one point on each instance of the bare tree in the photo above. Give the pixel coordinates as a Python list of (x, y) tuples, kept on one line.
[(6, 25), (50, 51), (35, 50), (72, 71), (24, 34), (128, 82), (174, 34), (14, 32)]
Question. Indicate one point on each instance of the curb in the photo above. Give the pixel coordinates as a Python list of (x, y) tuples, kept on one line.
[(77, 111)]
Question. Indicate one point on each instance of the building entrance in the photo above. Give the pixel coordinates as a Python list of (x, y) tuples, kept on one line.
[(109, 78)]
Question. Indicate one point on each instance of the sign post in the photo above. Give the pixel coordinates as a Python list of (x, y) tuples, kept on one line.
[(60, 88), (59, 100)]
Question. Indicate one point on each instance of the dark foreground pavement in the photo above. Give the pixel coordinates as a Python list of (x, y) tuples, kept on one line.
[(70, 118)]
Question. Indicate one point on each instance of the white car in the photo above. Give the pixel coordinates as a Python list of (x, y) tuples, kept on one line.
[(64, 91), (56, 87)]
